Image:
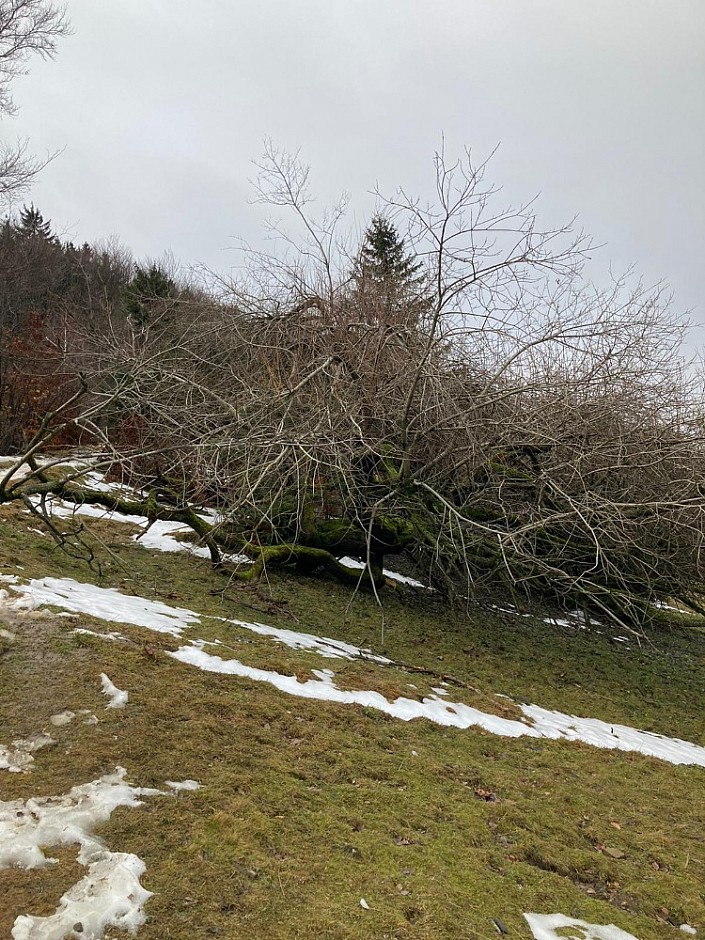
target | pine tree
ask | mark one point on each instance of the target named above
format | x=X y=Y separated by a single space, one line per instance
x=382 y=255
x=147 y=286
x=388 y=284
x=32 y=223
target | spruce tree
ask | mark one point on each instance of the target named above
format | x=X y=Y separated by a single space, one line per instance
x=32 y=223
x=383 y=255
x=389 y=287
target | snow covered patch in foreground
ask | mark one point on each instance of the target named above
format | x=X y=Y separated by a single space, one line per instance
x=110 y=894
x=118 y=698
x=18 y=758
x=541 y=723
x=544 y=723
x=546 y=927
x=323 y=645
x=105 y=603
x=392 y=575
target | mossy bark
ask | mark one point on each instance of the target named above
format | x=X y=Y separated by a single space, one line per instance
x=306 y=560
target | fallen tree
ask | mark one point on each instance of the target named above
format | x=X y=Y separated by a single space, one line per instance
x=488 y=415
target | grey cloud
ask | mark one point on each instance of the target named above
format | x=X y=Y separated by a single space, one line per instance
x=160 y=107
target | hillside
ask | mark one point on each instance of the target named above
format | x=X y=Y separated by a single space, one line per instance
x=277 y=769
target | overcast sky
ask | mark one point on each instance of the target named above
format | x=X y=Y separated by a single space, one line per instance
x=159 y=106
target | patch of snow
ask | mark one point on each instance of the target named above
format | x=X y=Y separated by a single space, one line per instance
x=510 y=609
x=661 y=605
x=18 y=758
x=546 y=927
x=96 y=481
x=110 y=894
x=555 y=725
x=392 y=575
x=403 y=578
x=9 y=578
x=104 y=603
x=560 y=622
x=183 y=785
x=114 y=637
x=325 y=646
x=160 y=537
x=157 y=536
x=439 y=691
x=63 y=718
x=22 y=470
x=686 y=928
x=118 y=698
x=324 y=688
x=91 y=719
x=544 y=723
x=364 y=905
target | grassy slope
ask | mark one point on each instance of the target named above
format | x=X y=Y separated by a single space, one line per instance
x=306 y=807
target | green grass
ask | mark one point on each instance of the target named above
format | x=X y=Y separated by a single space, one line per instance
x=306 y=806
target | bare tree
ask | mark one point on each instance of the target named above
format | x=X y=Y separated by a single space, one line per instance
x=519 y=429
x=27 y=28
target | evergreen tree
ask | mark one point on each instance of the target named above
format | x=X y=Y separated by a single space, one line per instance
x=382 y=256
x=149 y=285
x=389 y=288
x=32 y=223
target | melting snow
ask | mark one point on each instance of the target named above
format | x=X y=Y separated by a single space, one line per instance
x=114 y=637
x=97 y=482
x=110 y=894
x=545 y=723
x=325 y=646
x=157 y=536
x=109 y=604
x=18 y=758
x=392 y=575
x=23 y=469
x=118 y=698
x=105 y=603
x=63 y=718
x=546 y=927
x=183 y=784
